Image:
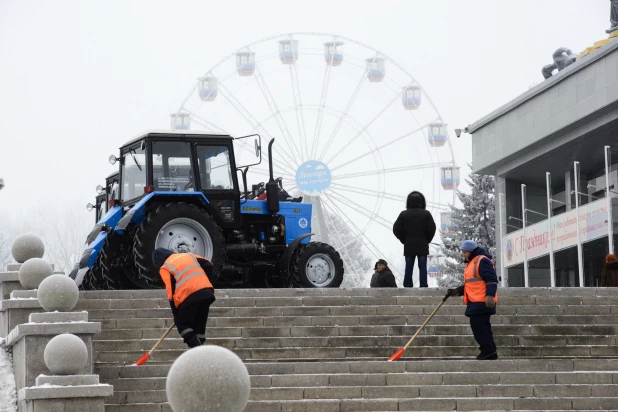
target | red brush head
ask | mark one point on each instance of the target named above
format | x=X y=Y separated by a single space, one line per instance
x=396 y=355
x=143 y=359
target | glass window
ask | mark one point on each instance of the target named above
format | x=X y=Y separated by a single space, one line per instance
x=215 y=168
x=171 y=167
x=133 y=173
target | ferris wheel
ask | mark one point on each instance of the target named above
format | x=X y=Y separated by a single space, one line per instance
x=355 y=133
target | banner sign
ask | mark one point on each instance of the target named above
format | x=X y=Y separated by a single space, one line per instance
x=592 y=225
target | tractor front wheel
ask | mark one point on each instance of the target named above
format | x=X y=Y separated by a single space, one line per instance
x=317 y=265
x=179 y=227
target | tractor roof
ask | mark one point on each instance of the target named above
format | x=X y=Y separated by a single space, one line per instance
x=176 y=133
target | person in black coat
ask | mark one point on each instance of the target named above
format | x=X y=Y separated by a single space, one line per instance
x=415 y=229
x=383 y=277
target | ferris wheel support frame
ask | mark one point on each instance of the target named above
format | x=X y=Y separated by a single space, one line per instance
x=298 y=103
x=322 y=106
x=274 y=109
x=250 y=119
x=389 y=196
x=376 y=251
x=359 y=86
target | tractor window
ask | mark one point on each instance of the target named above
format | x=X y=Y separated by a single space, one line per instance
x=215 y=170
x=133 y=173
x=171 y=167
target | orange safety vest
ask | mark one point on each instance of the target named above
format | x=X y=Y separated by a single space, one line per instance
x=475 y=288
x=188 y=275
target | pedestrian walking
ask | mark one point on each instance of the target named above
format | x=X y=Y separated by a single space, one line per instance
x=383 y=277
x=480 y=294
x=609 y=275
x=189 y=291
x=415 y=229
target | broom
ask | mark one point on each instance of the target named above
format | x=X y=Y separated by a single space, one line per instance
x=146 y=355
x=400 y=351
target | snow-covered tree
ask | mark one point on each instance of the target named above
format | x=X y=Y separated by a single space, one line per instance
x=476 y=221
x=6 y=240
x=357 y=265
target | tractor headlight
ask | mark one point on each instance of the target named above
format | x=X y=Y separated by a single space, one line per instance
x=274 y=229
x=90 y=207
x=100 y=190
x=113 y=159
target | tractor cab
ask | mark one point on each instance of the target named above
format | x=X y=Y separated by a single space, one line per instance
x=178 y=164
x=106 y=197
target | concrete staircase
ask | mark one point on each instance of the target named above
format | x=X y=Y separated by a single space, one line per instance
x=326 y=350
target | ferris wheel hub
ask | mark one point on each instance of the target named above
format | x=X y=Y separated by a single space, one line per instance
x=313 y=178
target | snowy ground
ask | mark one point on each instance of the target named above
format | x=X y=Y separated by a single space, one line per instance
x=8 y=396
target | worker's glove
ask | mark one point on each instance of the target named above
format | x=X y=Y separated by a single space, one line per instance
x=490 y=302
x=453 y=292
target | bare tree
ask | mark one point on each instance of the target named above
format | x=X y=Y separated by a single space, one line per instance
x=65 y=238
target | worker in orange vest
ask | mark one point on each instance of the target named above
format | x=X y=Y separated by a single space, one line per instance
x=480 y=294
x=186 y=278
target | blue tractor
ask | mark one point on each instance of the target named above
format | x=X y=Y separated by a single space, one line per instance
x=179 y=190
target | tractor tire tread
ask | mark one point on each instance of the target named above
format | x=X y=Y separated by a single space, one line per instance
x=302 y=254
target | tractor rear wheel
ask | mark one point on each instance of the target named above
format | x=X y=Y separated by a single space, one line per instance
x=179 y=227
x=106 y=273
x=317 y=265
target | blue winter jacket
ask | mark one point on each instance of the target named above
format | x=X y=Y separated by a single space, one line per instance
x=488 y=274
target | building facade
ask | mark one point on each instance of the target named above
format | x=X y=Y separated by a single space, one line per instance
x=551 y=152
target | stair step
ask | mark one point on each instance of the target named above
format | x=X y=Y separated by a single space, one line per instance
x=359 y=341
x=325 y=349
x=401 y=366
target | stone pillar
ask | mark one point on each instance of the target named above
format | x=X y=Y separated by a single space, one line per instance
x=9 y=280
x=28 y=342
x=17 y=309
x=64 y=393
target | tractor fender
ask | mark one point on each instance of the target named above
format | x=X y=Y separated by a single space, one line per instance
x=94 y=248
x=138 y=212
x=106 y=223
x=286 y=258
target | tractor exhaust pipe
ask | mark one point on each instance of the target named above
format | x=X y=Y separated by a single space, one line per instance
x=272 y=188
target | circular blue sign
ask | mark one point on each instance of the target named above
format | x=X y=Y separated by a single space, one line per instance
x=313 y=178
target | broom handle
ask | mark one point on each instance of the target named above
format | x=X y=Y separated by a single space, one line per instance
x=426 y=322
x=167 y=332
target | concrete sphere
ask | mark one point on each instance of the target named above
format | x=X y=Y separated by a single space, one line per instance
x=33 y=271
x=65 y=354
x=58 y=292
x=208 y=379
x=27 y=247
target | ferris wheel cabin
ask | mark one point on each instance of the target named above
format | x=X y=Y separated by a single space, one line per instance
x=449 y=177
x=437 y=134
x=376 y=69
x=411 y=97
x=288 y=51
x=333 y=53
x=434 y=271
x=181 y=121
x=208 y=88
x=245 y=63
x=446 y=222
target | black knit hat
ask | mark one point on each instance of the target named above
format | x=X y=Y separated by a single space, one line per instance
x=381 y=262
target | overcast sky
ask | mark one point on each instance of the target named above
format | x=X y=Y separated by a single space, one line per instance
x=79 y=78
